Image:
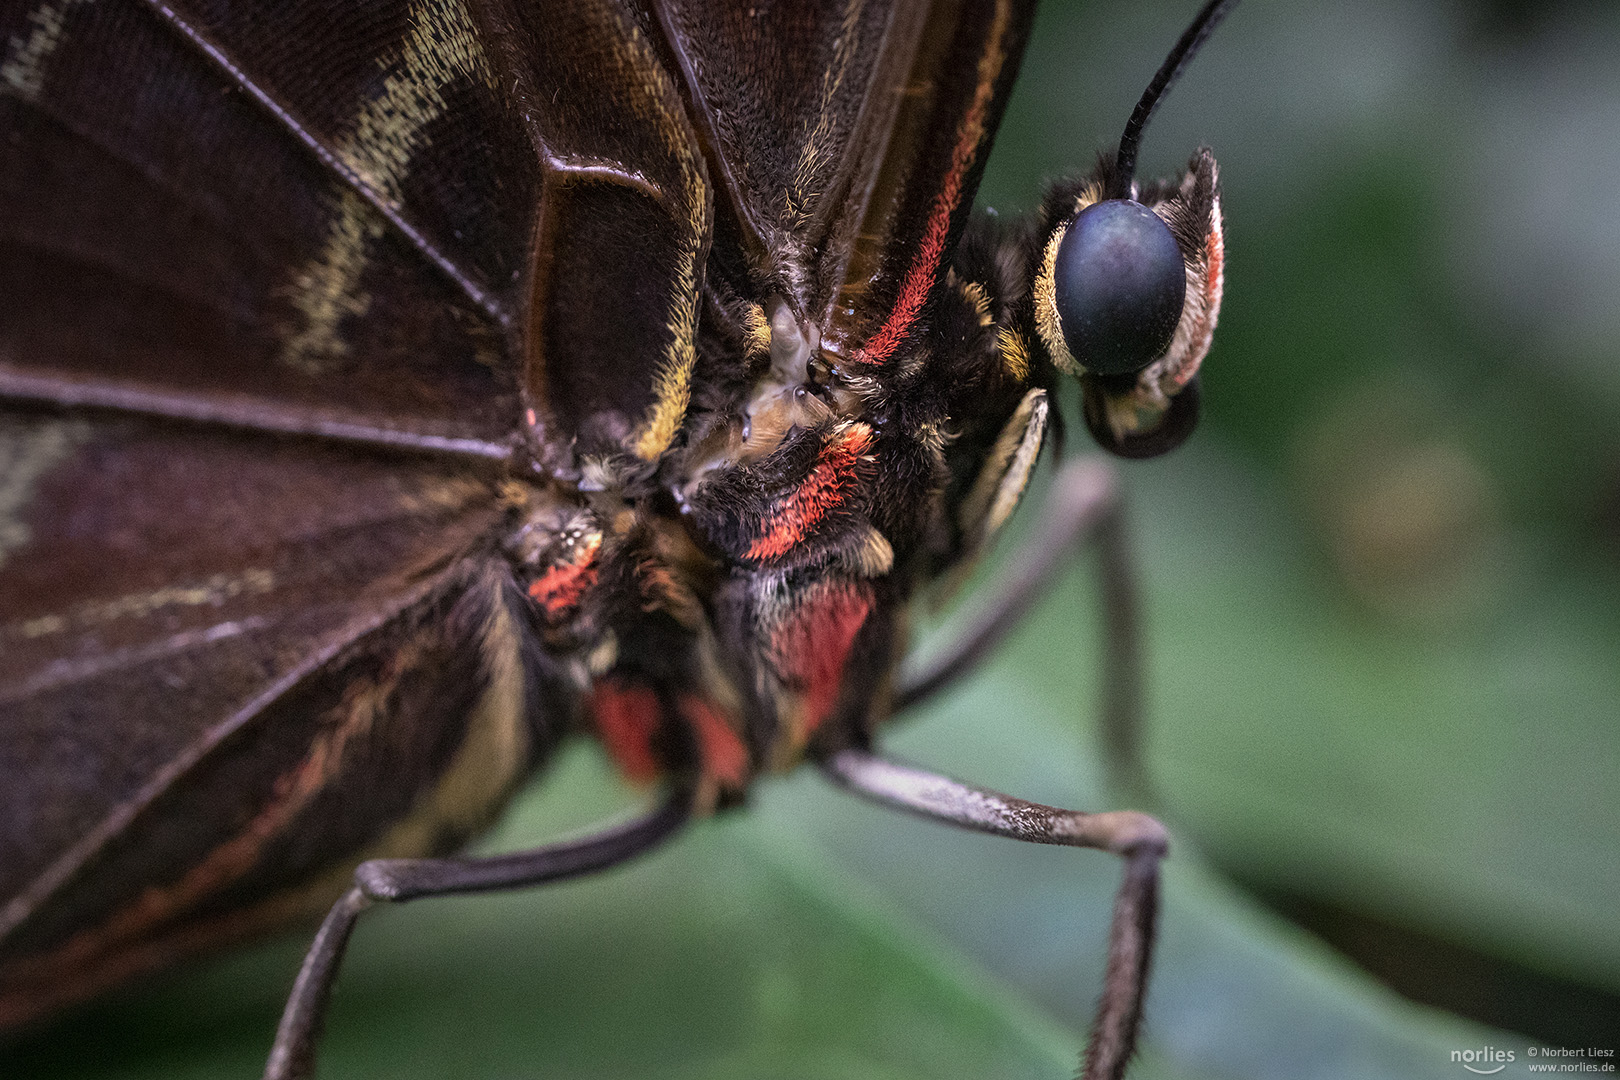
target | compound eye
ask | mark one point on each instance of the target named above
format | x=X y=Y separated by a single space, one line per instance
x=1119 y=287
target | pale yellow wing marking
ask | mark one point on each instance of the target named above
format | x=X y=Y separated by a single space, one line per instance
x=325 y=290
x=636 y=62
x=818 y=144
x=387 y=132
x=209 y=592
x=28 y=452
x=22 y=72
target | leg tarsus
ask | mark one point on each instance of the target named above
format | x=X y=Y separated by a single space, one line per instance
x=1130 y=955
x=398 y=880
x=293 y=1053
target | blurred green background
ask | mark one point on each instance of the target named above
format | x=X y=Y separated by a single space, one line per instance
x=1383 y=636
x=1384 y=580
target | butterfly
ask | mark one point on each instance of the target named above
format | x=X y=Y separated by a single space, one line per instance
x=391 y=392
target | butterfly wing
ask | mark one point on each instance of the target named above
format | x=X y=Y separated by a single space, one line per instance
x=846 y=141
x=214 y=213
x=245 y=252
x=230 y=664
x=283 y=283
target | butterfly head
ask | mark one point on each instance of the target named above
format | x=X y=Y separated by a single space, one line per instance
x=1127 y=281
x=1126 y=294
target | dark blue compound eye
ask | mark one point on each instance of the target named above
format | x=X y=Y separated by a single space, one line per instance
x=1120 y=285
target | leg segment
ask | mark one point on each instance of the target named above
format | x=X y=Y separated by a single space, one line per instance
x=292 y=1057
x=1082 y=505
x=1139 y=838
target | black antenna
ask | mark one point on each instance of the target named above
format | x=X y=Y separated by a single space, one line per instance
x=1208 y=18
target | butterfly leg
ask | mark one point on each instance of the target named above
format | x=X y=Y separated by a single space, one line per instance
x=1140 y=839
x=292 y=1057
x=1083 y=505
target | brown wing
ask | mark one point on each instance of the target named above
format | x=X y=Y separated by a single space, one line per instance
x=623 y=228
x=229 y=664
x=376 y=221
x=242 y=642
x=301 y=217
x=848 y=138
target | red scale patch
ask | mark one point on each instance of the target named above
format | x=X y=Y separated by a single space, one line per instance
x=725 y=757
x=813 y=645
x=629 y=715
x=829 y=483
x=627 y=718
x=559 y=589
x=920 y=275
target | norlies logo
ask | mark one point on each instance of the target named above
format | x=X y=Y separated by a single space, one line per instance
x=1475 y=1060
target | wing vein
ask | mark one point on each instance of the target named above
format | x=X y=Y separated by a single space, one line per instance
x=245 y=413
x=481 y=298
x=39 y=890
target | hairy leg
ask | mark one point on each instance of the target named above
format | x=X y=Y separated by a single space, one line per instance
x=1138 y=838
